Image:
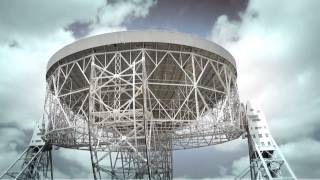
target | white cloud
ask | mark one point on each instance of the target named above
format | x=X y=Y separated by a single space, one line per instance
x=240 y=165
x=119 y=11
x=72 y=163
x=302 y=155
x=115 y=14
x=23 y=81
x=278 y=68
x=12 y=140
x=225 y=30
x=36 y=18
x=276 y=59
x=232 y=146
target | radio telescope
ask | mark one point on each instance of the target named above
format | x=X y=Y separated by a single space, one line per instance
x=131 y=98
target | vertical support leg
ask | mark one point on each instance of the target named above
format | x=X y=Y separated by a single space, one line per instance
x=34 y=163
x=266 y=159
x=124 y=142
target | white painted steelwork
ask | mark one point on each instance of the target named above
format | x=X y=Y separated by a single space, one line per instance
x=144 y=92
x=131 y=98
x=266 y=160
x=35 y=162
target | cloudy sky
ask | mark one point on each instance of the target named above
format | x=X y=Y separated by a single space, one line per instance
x=276 y=45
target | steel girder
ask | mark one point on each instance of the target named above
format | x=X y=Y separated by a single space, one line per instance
x=266 y=160
x=197 y=108
x=140 y=104
x=35 y=162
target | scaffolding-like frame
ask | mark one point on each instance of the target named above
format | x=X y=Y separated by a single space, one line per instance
x=131 y=98
x=136 y=102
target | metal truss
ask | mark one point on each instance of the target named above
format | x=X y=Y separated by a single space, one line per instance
x=131 y=104
x=132 y=107
x=34 y=163
x=134 y=163
x=266 y=159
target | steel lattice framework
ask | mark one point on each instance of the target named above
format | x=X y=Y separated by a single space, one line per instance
x=35 y=162
x=136 y=101
x=265 y=157
x=131 y=98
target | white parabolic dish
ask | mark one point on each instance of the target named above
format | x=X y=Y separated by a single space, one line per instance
x=179 y=87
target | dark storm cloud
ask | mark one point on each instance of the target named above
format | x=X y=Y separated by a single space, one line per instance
x=79 y=29
x=190 y=16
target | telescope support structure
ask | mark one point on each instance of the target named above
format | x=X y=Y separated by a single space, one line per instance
x=132 y=97
x=266 y=159
x=141 y=151
x=35 y=162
